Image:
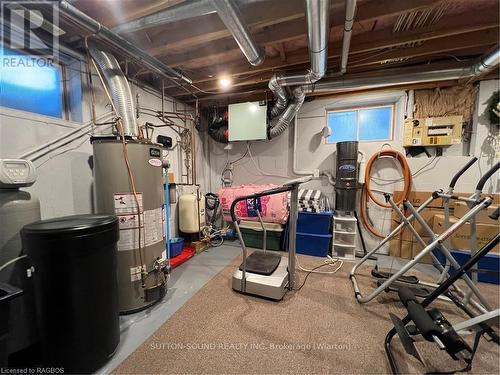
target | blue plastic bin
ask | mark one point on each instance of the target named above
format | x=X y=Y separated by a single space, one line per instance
x=313 y=244
x=314 y=222
x=176 y=246
x=489 y=265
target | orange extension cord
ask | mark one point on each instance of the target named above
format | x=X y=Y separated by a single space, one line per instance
x=367 y=194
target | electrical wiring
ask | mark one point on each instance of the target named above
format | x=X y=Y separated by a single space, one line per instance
x=257 y=167
x=420 y=170
x=331 y=261
x=312 y=271
x=61 y=153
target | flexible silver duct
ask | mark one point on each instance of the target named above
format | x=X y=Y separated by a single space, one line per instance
x=281 y=123
x=280 y=95
x=318 y=30
x=350 y=10
x=118 y=87
x=231 y=17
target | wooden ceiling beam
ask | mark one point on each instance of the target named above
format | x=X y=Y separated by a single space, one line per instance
x=189 y=36
x=390 y=69
x=436 y=47
x=448 y=39
x=225 y=49
x=258 y=95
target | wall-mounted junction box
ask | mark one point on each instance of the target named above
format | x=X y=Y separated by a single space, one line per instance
x=433 y=131
x=247 y=121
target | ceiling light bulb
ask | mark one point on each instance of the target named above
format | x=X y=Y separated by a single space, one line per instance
x=225 y=83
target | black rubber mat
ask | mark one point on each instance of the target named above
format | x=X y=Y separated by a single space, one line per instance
x=421 y=291
x=385 y=275
x=262 y=263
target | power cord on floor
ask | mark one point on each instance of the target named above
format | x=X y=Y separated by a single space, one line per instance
x=328 y=262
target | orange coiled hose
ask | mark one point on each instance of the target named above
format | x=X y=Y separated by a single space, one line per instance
x=367 y=194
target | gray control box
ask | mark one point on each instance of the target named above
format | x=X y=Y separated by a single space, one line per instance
x=16 y=173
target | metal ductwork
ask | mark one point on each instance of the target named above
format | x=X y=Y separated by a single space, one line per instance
x=407 y=77
x=280 y=123
x=280 y=95
x=112 y=39
x=118 y=87
x=318 y=30
x=179 y=12
x=231 y=17
x=487 y=63
x=350 y=11
x=187 y=9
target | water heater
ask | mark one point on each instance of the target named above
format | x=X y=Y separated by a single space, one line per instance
x=139 y=285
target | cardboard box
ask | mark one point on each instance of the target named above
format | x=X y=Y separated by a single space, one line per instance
x=171 y=177
x=417 y=198
x=417 y=248
x=495 y=199
x=461 y=209
x=460 y=239
x=199 y=246
x=428 y=216
x=399 y=248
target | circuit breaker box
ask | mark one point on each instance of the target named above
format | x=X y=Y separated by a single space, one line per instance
x=433 y=131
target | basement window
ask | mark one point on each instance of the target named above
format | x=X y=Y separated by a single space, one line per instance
x=367 y=124
x=30 y=84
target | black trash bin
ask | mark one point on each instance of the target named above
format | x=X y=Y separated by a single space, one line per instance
x=7 y=294
x=76 y=289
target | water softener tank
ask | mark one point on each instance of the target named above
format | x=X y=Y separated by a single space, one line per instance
x=138 y=289
x=191 y=213
x=346 y=181
x=76 y=289
x=17 y=208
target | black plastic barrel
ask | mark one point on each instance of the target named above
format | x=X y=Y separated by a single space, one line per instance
x=346 y=181
x=76 y=289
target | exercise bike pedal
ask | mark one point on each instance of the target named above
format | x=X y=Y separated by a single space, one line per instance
x=385 y=275
x=404 y=336
x=420 y=292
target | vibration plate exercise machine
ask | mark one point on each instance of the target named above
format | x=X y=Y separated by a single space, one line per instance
x=267 y=274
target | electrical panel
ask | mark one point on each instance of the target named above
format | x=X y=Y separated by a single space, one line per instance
x=16 y=173
x=433 y=131
x=247 y=121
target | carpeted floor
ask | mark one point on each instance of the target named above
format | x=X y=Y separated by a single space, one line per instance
x=320 y=329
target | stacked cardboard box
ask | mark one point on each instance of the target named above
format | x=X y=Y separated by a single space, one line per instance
x=405 y=245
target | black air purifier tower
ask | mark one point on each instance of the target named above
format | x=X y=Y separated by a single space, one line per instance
x=346 y=176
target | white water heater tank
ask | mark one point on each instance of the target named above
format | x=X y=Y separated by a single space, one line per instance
x=191 y=213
